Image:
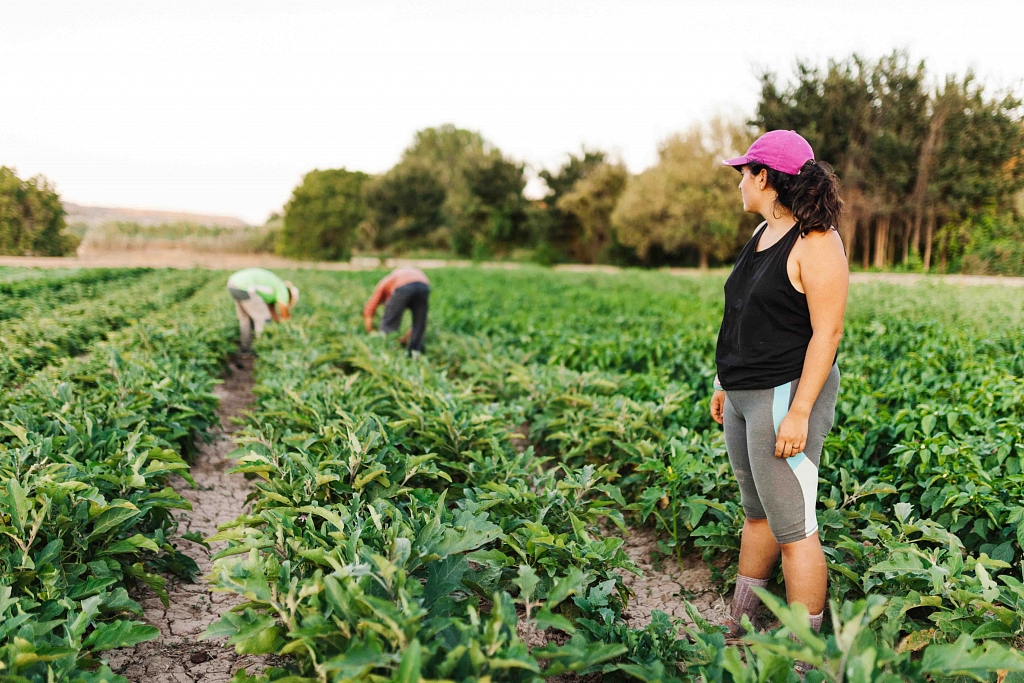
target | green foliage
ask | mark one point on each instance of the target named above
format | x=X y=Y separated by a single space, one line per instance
x=86 y=451
x=400 y=525
x=38 y=293
x=910 y=157
x=34 y=342
x=451 y=190
x=407 y=206
x=591 y=201
x=31 y=218
x=323 y=214
x=686 y=201
x=433 y=519
x=993 y=244
x=557 y=233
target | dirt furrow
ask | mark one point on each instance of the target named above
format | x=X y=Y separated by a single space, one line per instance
x=665 y=585
x=178 y=656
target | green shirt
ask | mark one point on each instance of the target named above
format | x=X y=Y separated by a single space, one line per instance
x=270 y=287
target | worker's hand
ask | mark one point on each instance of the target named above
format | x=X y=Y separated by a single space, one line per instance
x=368 y=323
x=718 y=406
x=405 y=338
x=792 y=436
x=273 y=314
x=285 y=312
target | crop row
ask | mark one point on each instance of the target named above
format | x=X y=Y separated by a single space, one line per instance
x=398 y=531
x=55 y=281
x=40 y=302
x=921 y=477
x=33 y=343
x=86 y=451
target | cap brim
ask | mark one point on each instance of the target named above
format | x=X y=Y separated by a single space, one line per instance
x=738 y=161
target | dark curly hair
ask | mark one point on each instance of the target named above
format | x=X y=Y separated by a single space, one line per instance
x=813 y=196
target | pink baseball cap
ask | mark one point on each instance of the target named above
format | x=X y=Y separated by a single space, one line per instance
x=784 y=150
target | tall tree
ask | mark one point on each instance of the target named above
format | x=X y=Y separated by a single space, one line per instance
x=687 y=200
x=31 y=217
x=978 y=160
x=407 y=206
x=484 y=209
x=321 y=218
x=591 y=202
x=910 y=159
x=834 y=109
x=494 y=214
x=561 y=231
x=901 y=115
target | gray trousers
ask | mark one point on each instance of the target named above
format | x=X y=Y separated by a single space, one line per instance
x=416 y=297
x=782 y=490
x=253 y=315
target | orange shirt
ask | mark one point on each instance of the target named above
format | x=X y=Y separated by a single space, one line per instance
x=399 y=277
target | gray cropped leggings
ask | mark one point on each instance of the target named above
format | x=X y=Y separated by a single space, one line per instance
x=783 y=490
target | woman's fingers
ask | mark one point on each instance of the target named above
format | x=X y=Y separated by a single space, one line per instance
x=787 y=448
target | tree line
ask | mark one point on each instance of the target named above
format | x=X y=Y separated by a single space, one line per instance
x=31 y=218
x=932 y=173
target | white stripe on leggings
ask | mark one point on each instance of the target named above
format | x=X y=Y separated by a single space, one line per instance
x=805 y=471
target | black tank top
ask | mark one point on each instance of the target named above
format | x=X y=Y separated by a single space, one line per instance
x=767 y=325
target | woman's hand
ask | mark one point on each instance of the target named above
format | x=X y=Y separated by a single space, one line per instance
x=792 y=437
x=718 y=406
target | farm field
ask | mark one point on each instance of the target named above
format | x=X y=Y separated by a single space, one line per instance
x=465 y=516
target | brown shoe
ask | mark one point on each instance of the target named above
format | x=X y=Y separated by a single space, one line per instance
x=734 y=632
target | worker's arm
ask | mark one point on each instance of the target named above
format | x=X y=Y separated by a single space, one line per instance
x=279 y=312
x=372 y=303
x=824 y=277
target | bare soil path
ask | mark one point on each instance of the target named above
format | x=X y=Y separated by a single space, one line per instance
x=178 y=656
x=665 y=585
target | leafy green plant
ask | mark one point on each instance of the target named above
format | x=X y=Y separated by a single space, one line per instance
x=86 y=449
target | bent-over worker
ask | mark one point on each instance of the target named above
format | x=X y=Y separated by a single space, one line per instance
x=260 y=296
x=404 y=288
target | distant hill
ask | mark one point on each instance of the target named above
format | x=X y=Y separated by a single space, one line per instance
x=93 y=216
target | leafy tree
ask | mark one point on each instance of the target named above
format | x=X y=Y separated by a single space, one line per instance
x=493 y=215
x=557 y=232
x=31 y=217
x=482 y=210
x=407 y=205
x=901 y=128
x=591 y=202
x=833 y=108
x=687 y=200
x=911 y=159
x=979 y=162
x=321 y=218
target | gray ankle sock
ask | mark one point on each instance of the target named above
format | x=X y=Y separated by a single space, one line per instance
x=815 y=625
x=816 y=621
x=744 y=599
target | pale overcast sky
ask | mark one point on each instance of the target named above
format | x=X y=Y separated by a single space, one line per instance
x=221 y=107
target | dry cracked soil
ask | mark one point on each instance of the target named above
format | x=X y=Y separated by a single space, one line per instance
x=178 y=656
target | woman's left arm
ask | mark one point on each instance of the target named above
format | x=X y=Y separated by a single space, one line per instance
x=825 y=279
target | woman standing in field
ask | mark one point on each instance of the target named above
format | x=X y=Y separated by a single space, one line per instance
x=777 y=380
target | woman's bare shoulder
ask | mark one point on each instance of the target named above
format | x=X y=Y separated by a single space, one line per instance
x=818 y=243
